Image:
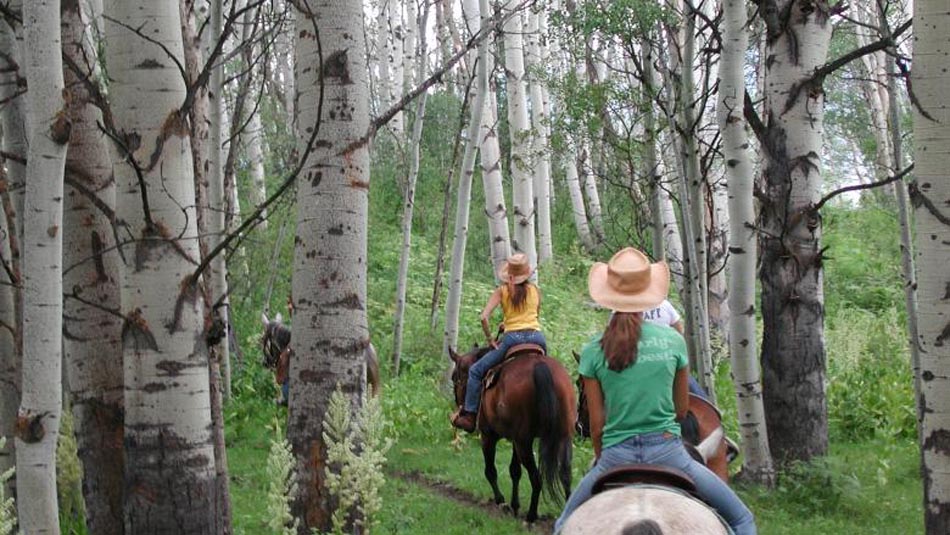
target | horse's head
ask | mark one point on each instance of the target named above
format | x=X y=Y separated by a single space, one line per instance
x=583 y=415
x=462 y=364
x=275 y=339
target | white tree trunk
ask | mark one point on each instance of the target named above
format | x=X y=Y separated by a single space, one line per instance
x=931 y=196
x=385 y=58
x=14 y=140
x=577 y=198
x=519 y=129
x=588 y=177
x=907 y=239
x=743 y=346
x=492 y=182
x=717 y=231
x=394 y=14
x=41 y=401
x=410 y=62
x=540 y=158
x=14 y=116
x=875 y=89
x=92 y=333
x=474 y=11
x=285 y=64
x=329 y=279
x=217 y=199
x=410 y=196
x=255 y=153
x=166 y=358
x=793 y=349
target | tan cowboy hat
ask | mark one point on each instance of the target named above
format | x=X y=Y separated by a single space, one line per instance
x=629 y=282
x=517 y=268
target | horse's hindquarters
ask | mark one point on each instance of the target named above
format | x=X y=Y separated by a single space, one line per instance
x=643 y=509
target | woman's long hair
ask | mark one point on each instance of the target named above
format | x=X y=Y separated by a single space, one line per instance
x=518 y=294
x=620 y=340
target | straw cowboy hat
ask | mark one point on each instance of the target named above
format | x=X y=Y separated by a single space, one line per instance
x=629 y=282
x=516 y=269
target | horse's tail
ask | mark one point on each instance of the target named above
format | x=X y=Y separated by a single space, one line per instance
x=555 y=449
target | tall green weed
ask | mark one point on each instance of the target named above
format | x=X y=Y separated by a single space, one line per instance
x=870 y=383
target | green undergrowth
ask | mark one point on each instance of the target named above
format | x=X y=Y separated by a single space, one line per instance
x=869 y=482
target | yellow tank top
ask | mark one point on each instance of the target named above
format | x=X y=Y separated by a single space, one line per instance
x=525 y=318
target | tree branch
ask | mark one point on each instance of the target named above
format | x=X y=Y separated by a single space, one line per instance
x=858 y=187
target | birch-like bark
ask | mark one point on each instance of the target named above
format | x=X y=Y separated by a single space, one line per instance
x=198 y=118
x=165 y=353
x=41 y=400
x=907 y=225
x=385 y=58
x=476 y=14
x=519 y=129
x=540 y=157
x=410 y=195
x=746 y=375
x=689 y=185
x=577 y=197
x=397 y=68
x=931 y=201
x=217 y=200
x=9 y=369
x=329 y=279
x=492 y=181
x=254 y=135
x=793 y=349
x=874 y=88
x=92 y=333
x=12 y=119
x=285 y=62
x=411 y=24
x=587 y=173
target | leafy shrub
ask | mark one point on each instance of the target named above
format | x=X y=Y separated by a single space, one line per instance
x=817 y=487
x=870 y=383
x=72 y=510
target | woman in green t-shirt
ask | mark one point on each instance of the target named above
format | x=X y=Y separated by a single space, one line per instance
x=635 y=376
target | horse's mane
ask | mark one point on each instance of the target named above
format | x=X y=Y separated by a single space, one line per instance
x=278 y=333
x=480 y=351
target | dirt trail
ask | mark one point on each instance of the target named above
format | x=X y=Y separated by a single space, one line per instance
x=446 y=490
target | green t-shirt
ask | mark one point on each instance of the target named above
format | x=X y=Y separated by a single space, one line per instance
x=638 y=399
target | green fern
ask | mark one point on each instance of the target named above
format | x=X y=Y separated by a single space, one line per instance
x=7 y=511
x=281 y=488
x=356 y=452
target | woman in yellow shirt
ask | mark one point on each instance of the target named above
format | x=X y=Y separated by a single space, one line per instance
x=520 y=302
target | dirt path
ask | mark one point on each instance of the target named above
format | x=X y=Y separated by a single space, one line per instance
x=446 y=490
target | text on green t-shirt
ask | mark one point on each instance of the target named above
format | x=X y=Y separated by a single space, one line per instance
x=639 y=398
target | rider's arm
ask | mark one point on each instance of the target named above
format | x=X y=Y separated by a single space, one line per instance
x=681 y=392
x=595 y=407
x=678 y=325
x=490 y=307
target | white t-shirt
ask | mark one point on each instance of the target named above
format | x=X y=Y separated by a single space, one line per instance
x=664 y=314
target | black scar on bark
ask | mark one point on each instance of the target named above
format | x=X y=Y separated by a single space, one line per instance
x=337 y=66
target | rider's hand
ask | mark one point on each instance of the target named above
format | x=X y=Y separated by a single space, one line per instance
x=493 y=344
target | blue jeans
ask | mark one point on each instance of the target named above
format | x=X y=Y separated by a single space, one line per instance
x=473 y=392
x=666 y=450
x=694 y=388
x=285 y=390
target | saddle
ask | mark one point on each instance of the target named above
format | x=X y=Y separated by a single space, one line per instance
x=491 y=377
x=644 y=474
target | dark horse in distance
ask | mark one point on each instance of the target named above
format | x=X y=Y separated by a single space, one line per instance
x=275 y=343
x=529 y=395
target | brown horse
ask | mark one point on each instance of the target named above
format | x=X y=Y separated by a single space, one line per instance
x=275 y=344
x=705 y=441
x=530 y=397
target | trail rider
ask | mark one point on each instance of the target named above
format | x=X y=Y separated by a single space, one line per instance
x=520 y=302
x=635 y=375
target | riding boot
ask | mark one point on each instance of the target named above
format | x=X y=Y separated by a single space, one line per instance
x=464 y=420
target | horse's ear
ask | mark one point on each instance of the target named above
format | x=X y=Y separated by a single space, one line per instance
x=279 y=318
x=577 y=357
x=453 y=355
x=264 y=318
